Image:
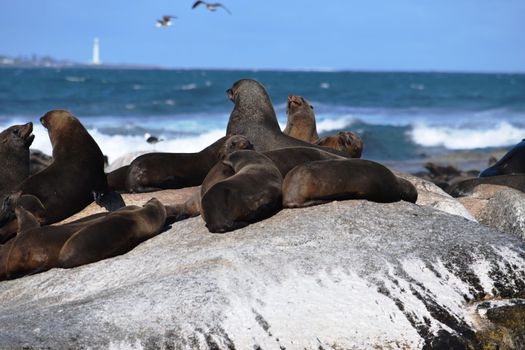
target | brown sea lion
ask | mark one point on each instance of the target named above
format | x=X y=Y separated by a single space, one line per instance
x=466 y=187
x=155 y=171
x=254 y=117
x=14 y=156
x=344 y=141
x=252 y=193
x=285 y=159
x=115 y=234
x=300 y=123
x=90 y=239
x=76 y=175
x=327 y=180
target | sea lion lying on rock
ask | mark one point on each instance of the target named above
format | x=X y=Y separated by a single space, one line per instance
x=327 y=180
x=285 y=159
x=14 y=156
x=301 y=124
x=243 y=188
x=513 y=162
x=466 y=187
x=254 y=117
x=90 y=239
x=75 y=177
x=155 y=171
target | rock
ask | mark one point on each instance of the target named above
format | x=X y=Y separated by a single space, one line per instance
x=432 y=196
x=498 y=206
x=124 y=160
x=345 y=275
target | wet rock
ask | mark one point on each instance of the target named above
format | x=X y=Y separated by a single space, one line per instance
x=344 y=275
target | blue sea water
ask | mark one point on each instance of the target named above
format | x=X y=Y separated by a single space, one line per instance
x=400 y=116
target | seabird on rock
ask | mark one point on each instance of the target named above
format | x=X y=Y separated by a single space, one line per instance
x=210 y=6
x=165 y=21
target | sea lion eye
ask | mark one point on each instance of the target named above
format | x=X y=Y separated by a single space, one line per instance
x=312 y=107
x=15 y=131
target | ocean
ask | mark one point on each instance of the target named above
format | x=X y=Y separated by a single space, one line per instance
x=402 y=117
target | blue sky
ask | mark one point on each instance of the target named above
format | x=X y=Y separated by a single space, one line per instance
x=445 y=35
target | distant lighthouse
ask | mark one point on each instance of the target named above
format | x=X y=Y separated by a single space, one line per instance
x=96 y=52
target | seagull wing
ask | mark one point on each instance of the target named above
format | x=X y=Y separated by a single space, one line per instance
x=197 y=3
x=224 y=7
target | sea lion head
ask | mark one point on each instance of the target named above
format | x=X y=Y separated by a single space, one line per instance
x=58 y=122
x=351 y=142
x=17 y=136
x=253 y=106
x=298 y=103
x=234 y=143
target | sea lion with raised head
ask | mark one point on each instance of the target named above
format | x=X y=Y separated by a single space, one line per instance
x=301 y=124
x=513 y=162
x=76 y=175
x=156 y=171
x=14 y=156
x=252 y=193
x=90 y=239
x=254 y=117
x=328 y=180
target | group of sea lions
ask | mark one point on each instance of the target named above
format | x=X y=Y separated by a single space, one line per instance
x=246 y=176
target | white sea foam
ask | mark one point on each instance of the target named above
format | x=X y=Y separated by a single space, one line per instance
x=501 y=134
x=329 y=124
x=191 y=86
x=73 y=79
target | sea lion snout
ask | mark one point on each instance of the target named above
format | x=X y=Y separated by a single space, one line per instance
x=230 y=95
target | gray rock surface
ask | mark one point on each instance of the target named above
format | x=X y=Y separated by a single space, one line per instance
x=345 y=275
x=498 y=206
x=432 y=196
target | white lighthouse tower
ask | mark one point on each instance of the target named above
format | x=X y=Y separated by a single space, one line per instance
x=96 y=52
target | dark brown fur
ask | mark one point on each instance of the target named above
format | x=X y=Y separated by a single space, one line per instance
x=344 y=141
x=466 y=187
x=84 y=241
x=155 y=171
x=69 y=184
x=252 y=193
x=14 y=156
x=327 y=180
x=254 y=117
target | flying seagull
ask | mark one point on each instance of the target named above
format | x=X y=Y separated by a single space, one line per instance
x=210 y=6
x=165 y=21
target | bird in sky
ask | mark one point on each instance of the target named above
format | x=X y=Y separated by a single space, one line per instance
x=210 y=6
x=165 y=21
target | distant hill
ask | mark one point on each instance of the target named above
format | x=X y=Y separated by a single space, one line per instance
x=48 y=61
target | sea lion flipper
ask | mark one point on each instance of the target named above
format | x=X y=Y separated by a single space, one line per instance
x=26 y=220
x=111 y=200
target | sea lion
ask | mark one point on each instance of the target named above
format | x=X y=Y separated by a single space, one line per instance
x=252 y=193
x=254 y=117
x=14 y=156
x=300 y=123
x=76 y=175
x=513 y=162
x=84 y=241
x=285 y=159
x=344 y=141
x=327 y=180
x=156 y=171
x=115 y=234
x=466 y=187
